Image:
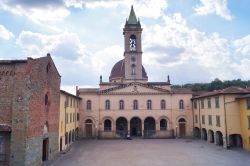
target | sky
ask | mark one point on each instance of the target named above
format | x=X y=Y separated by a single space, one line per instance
x=193 y=41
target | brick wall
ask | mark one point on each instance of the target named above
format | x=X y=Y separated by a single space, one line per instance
x=22 y=106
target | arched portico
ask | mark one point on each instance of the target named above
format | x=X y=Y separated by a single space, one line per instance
x=235 y=140
x=197 y=133
x=211 y=136
x=204 y=134
x=218 y=138
x=149 y=126
x=135 y=127
x=121 y=126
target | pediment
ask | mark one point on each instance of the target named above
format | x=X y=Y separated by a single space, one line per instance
x=134 y=88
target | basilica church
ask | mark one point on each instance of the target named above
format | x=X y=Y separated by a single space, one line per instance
x=129 y=105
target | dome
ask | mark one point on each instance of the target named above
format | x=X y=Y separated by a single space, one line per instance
x=118 y=71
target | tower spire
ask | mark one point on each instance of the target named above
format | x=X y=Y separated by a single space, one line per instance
x=132 y=17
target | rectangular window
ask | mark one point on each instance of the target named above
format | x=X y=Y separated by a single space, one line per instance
x=196 y=118
x=73 y=117
x=210 y=119
x=248 y=104
x=203 y=119
x=217 y=102
x=202 y=104
x=217 y=121
x=209 y=103
x=248 y=122
x=70 y=117
x=67 y=101
x=67 y=121
x=195 y=104
x=78 y=117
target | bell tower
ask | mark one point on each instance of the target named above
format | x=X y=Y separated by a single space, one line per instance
x=133 y=51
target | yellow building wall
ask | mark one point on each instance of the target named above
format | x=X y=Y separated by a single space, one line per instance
x=244 y=113
x=228 y=111
x=98 y=113
x=72 y=108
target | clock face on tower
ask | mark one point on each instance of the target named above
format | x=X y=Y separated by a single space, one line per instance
x=132 y=42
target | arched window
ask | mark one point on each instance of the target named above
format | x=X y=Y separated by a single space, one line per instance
x=46 y=99
x=107 y=105
x=121 y=105
x=163 y=104
x=89 y=105
x=107 y=125
x=149 y=104
x=133 y=69
x=163 y=124
x=135 y=105
x=181 y=104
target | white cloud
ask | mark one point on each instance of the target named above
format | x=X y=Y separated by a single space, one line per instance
x=243 y=45
x=191 y=55
x=76 y=64
x=35 y=12
x=5 y=33
x=218 y=7
x=143 y=8
x=66 y=45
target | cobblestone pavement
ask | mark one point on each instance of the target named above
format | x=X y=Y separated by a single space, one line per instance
x=151 y=152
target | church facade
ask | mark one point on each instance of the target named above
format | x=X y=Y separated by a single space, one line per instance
x=130 y=105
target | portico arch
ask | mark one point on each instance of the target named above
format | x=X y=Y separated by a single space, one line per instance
x=218 y=138
x=135 y=127
x=121 y=126
x=203 y=134
x=197 y=132
x=149 y=126
x=211 y=136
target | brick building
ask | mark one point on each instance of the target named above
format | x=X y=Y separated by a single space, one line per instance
x=29 y=111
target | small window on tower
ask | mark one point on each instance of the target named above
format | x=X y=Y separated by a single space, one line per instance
x=132 y=41
x=133 y=69
x=46 y=99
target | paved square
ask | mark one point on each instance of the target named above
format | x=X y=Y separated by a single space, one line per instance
x=151 y=152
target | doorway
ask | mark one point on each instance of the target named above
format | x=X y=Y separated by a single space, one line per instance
x=88 y=128
x=60 y=144
x=45 y=149
x=182 y=127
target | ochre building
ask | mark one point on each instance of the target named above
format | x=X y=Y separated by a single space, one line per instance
x=29 y=111
x=220 y=118
x=69 y=119
x=129 y=105
x=244 y=102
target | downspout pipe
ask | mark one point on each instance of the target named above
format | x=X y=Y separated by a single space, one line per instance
x=225 y=120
